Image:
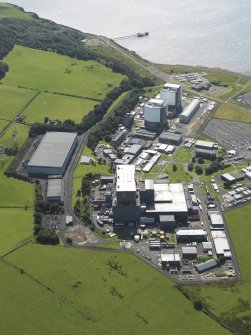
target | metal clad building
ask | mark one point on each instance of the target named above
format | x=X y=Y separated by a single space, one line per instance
x=189 y=111
x=53 y=153
x=55 y=190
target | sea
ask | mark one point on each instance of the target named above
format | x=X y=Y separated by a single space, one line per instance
x=212 y=33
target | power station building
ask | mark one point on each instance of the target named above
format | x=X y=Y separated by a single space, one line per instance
x=172 y=94
x=53 y=154
x=155 y=113
x=189 y=111
x=159 y=203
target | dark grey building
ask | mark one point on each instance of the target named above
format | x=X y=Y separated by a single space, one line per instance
x=168 y=137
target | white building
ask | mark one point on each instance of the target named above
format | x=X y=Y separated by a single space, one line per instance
x=172 y=94
x=155 y=113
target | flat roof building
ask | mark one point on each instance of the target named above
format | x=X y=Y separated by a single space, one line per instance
x=53 y=154
x=217 y=221
x=204 y=144
x=55 y=191
x=168 y=137
x=191 y=235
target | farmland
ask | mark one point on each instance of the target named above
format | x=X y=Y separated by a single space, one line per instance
x=50 y=72
x=233 y=113
x=231 y=303
x=15 y=226
x=14 y=193
x=13 y=101
x=57 y=107
x=103 y=286
x=15 y=135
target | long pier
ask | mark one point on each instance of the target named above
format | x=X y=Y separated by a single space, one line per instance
x=130 y=36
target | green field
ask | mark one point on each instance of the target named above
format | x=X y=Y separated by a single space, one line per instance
x=183 y=154
x=3 y=124
x=58 y=107
x=178 y=176
x=231 y=303
x=13 y=100
x=16 y=135
x=89 y=282
x=13 y=192
x=15 y=227
x=233 y=113
x=48 y=71
x=7 y=10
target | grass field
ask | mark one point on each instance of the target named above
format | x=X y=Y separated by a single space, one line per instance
x=59 y=107
x=178 y=176
x=15 y=227
x=231 y=303
x=183 y=154
x=3 y=124
x=16 y=135
x=13 y=100
x=234 y=113
x=7 y=10
x=13 y=192
x=104 y=294
x=48 y=71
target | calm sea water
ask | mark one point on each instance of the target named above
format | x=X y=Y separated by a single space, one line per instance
x=215 y=33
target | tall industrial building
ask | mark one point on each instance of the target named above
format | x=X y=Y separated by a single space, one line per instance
x=172 y=94
x=126 y=204
x=155 y=113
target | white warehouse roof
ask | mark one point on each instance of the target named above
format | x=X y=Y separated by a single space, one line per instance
x=204 y=144
x=216 y=220
x=53 y=149
x=170 y=257
x=222 y=247
x=191 y=232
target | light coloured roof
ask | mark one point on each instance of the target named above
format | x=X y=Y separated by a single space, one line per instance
x=218 y=233
x=170 y=257
x=54 y=188
x=205 y=144
x=53 y=149
x=207 y=245
x=125 y=178
x=221 y=246
x=228 y=176
x=169 y=85
x=216 y=219
x=190 y=108
x=191 y=232
x=189 y=250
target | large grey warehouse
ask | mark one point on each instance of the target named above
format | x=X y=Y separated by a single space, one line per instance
x=189 y=111
x=53 y=154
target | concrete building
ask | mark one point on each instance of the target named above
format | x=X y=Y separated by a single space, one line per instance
x=205 y=153
x=217 y=221
x=222 y=247
x=206 y=266
x=119 y=137
x=172 y=94
x=189 y=252
x=191 y=235
x=204 y=145
x=170 y=259
x=55 y=190
x=228 y=178
x=167 y=222
x=155 y=114
x=189 y=111
x=168 y=137
x=53 y=154
x=134 y=150
x=126 y=205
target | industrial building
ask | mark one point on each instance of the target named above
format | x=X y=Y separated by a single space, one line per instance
x=172 y=94
x=126 y=206
x=204 y=145
x=155 y=114
x=189 y=111
x=206 y=266
x=167 y=222
x=55 y=190
x=228 y=178
x=168 y=137
x=191 y=235
x=85 y=160
x=53 y=154
x=170 y=259
x=206 y=153
x=217 y=221
x=119 y=137
x=189 y=252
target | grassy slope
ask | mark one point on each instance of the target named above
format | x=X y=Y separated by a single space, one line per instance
x=15 y=226
x=3 y=124
x=22 y=132
x=107 y=297
x=58 y=107
x=13 y=100
x=232 y=302
x=183 y=154
x=47 y=71
x=14 y=192
x=178 y=176
x=9 y=11
x=232 y=112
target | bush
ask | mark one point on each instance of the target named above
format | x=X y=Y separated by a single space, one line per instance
x=198 y=305
x=198 y=170
x=47 y=237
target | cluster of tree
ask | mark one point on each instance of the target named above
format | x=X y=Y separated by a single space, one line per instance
x=3 y=69
x=11 y=151
x=109 y=125
x=215 y=167
x=86 y=186
x=44 y=236
x=218 y=83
